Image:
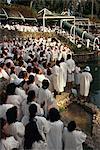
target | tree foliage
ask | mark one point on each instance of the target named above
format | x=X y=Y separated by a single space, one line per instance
x=79 y=6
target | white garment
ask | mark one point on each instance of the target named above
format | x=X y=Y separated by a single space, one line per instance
x=33 y=87
x=3 y=110
x=9 y=143
x=21 y=92
x=39 y=78
x=17 y=130
x=3 y=74
x=51 y=87
x=54 y=136
x=73 y=140
x=45 y=96
x=85 y=80
x=77 y=75
x=70 y=68
x=61 y=80
x=63 y=66
x=15 y=100
x=39 y=146
x=55 y=72
x=25 y=108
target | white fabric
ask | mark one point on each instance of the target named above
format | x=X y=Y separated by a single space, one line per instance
x=73 y=140
x=85 y=80
x=17 y=130
x=16 y=100
x=63 y=66
x=3 y=74
x=9 y=143
x=3 y=110
x=46 y=96
x=39 y=78
x=21 y=92
x=54 y=136
x=77 y=75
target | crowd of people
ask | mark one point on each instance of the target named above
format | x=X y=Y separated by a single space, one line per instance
x=38 y=69
x=29 y=28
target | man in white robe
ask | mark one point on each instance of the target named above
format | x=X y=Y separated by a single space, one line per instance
x=70 y=71
x=85 y=80
x=73 y=138
x=63 y=66
x=55 y=72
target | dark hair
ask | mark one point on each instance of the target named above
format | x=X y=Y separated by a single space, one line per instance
x=62 y=59
x=32 y=111
x=31 y=135
x=31 y=96
x=71 y=126
x=11 y=115
x=8 y=65
x=68 y=56
x=29 y=69
x=10 y=89
x=54 y=115
x=31 y=79
x=45 y=84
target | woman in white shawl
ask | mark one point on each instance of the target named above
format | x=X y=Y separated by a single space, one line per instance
x=54 y=135
x=7 y=142
x=36 y=128
x=73 y=138
x=16 y=128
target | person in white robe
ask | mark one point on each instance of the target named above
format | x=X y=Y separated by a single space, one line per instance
x=85 y=80
x=50 y=77
x=39 y=77
x=19 y=90
x=41 y=122
x=3 y=109
x=63 y=66
x=16 y=128
x=55 y=72
x=77 y=74
x=73 y=138
x=31 y=100
x=3 y=74
x=54 y=135
x=32 y=85
x=6 y=142
x=33 y=138
x=70 y=71
x=45 y=97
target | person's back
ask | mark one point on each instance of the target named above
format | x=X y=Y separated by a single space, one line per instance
x=73 y=138
x=69 y=140
x=85 y=80
x=54 y=135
